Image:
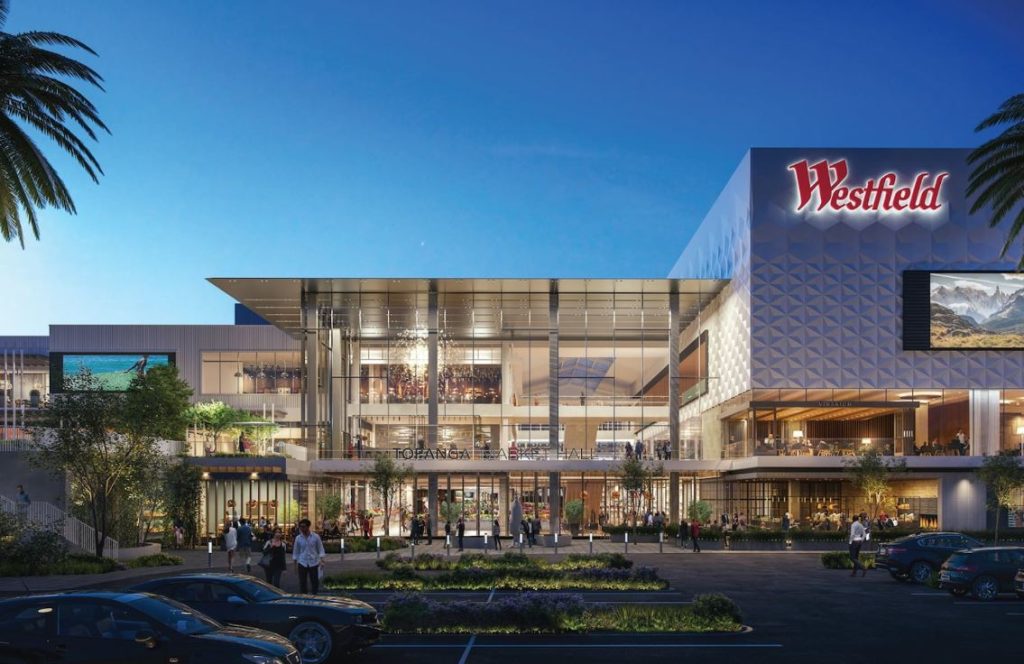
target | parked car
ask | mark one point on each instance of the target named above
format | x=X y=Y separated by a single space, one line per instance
x=983 y=572
x=915 y=557
x=127 y=628
x=1018 y=583
x=318 y=626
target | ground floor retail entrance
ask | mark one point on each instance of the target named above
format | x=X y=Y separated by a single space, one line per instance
x=593 y=500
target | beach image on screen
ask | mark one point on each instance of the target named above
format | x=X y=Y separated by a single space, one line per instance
x=112 y=372
x=977 y=310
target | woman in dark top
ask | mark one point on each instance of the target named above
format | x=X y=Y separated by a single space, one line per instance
x=277 y=549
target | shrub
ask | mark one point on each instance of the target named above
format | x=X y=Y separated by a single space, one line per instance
x=714 y=607
x=613 y=560
x=841 y=560
x=364 y=545
x=155 y=560
x=39 y=548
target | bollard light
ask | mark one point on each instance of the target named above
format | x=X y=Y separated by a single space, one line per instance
x=556 y=542
x=591 y=543
x=209 y=553
x=378 y=548
x=627 y=543
x=343 y=548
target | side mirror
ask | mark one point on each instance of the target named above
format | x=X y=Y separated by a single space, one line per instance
x=236 y=600
x=146 y=638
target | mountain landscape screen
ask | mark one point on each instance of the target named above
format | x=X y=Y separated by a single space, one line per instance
x=977 y=310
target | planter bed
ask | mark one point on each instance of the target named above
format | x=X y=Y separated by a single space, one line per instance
x=556 y=613
x=510 y=560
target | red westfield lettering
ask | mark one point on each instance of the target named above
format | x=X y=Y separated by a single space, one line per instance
x=825 y=183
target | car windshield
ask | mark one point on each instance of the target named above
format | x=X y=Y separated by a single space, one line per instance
x=169 y=613
x=260 y=590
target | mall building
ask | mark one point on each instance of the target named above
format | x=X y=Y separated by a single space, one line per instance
x=831 y=302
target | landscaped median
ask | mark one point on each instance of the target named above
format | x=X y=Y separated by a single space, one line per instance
x=512 y=571
x=556 y=613
x=841 y=560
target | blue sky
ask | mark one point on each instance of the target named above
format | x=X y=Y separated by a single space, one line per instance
x=461 y=139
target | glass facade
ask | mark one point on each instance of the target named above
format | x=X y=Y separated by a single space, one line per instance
x=253 y=372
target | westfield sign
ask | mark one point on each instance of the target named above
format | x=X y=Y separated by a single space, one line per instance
x=823 y=187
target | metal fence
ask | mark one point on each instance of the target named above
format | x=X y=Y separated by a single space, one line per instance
x=45 y=516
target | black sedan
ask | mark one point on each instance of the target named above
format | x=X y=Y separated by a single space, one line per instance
x=915 y=557
x=982 y=572
x=127 y=628
x=318 y=626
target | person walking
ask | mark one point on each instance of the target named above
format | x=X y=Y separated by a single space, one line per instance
x=414 y=530
x=629 y=450
x=534 y=529
x=857 y=535
x=275 y=549
x=684 y=532
x=786 y=521
x=448 y=532
x=496 y=533
x=460 y=531
x=695 y=535
x=430 y=531
x=525 y=525
x=308 y=554
x=23 y=502
x=230 y=544
x=245 y=544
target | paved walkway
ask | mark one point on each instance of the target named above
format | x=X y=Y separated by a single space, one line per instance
x=198 y=560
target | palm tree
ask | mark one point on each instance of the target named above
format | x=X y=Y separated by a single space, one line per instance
x=998 y=175
x=34 y=92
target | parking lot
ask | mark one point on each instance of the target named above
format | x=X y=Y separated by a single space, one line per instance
x=799 y=612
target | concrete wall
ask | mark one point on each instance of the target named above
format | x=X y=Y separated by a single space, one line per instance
x=961 y=502
x=40 y=485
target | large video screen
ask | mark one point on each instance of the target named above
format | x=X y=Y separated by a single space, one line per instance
x=976 y=310
x=113 y=372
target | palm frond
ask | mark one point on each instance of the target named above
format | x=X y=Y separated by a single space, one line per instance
x=36 y=90
x=997 y=179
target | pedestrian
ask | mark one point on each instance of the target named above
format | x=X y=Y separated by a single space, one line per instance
x=308 y=554
x=496 y=533
x=684 y=532
x=430 y=531
x=534 y=529
x=245 y=544
x=695 y=535
x=857 y=535
x=785 y=523
x=414 y=531
x=274 y=556
x=23 y=502
x=638 y=449
x=179 y=537
x=230 y=543
x=629 y=450
x=460 y=530
x=448 y=532
x=526 y=527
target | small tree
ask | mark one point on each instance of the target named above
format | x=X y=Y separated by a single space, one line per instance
x=386 y=478
x=1002 y=475
x=871 y=473
x=182 y=498
x=157 y=404
x=574 y=513
x=450 y=512
x=637 y=478
x=80 y=436
x=330 y=506
x=699 y=511
x=216 y=417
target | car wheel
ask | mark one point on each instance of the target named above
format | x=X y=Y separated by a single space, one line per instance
x=985 y=588
x=313 y=641
x=920 y=572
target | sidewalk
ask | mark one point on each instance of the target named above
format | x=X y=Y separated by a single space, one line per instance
x=198 y=561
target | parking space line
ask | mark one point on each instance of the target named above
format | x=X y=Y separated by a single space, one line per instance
x=930 y=594
x=469 y=646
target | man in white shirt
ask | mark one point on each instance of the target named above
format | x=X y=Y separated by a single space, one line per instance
x=858 y=533
x=308 y=554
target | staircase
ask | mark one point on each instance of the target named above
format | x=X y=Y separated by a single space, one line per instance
x=45 y=516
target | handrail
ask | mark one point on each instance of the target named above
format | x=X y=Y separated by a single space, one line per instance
x=50 y=517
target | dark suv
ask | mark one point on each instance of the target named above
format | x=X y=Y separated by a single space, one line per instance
x=915 y=557
x=983 y=572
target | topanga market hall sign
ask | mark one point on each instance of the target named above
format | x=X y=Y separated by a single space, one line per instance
x=822 y=187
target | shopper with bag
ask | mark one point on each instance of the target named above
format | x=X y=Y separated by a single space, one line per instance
x=858 y=533
x=308 y=554
x=245 y=544
x=273 y=559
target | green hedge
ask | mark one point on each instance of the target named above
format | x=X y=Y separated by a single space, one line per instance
x=841 y=560
x=510 y=560
x=71 y=564
x=154 y=560
x=364 y=545
x=404 y=577
x=556 y=613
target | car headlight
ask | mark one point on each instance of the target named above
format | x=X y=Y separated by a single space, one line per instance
x=258 y=658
